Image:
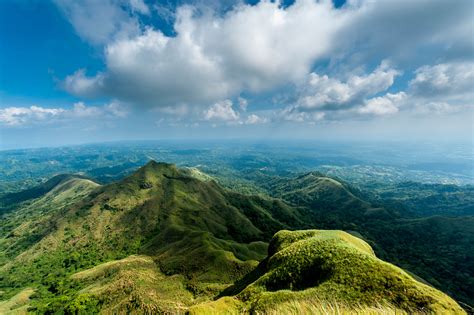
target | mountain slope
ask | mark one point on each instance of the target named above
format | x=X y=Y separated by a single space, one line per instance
x=161 y=231
x=37 y=191
x=312 y=270
x=196 y=229
x=434 y=248
x=34 y=219
x=330 y=201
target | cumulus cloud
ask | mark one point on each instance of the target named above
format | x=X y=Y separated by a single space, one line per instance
x=24 y=116
x=212 y=57
x=446 y=79
x=253 y=119
x=15 y=116
x=139 y=6
x=435 y=89
x=221 y=111
x=383 y=105
x=79 y=84
x=217 y=54
x=322 y=92
x=100 y=22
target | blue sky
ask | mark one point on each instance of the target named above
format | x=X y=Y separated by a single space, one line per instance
x=88 y=71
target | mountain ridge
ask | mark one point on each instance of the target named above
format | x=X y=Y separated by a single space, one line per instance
x=194 y=235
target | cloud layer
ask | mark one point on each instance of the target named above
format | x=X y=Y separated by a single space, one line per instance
x=315 y=54
x=26 y=116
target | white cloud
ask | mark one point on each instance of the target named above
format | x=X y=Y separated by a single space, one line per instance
x=24 y=116
x=383 y=105
x=222 y=111
x=213 y=57
x=15 y=116
x=79 y=84
x=99 y=22
x=116 y=109
x=446 y=79
x=255 y=119
x=139 y=6
x=267 y=46
x=324 y=93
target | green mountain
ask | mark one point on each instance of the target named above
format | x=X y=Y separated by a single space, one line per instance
x=165 y=239
x=35 y=192
x=189 y=227
x=438 y=249
x=320 y=272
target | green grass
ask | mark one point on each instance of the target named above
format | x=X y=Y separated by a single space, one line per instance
x=339 y=270
x=189 y=227
x=162 y=232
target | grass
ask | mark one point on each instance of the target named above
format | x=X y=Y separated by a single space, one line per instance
x=189 y=227
x=17 y=304
x=337 y=269
x=163 y=241
x=134 y=283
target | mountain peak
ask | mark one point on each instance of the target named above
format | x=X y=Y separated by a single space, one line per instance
x=154 y=164
x=154 y=169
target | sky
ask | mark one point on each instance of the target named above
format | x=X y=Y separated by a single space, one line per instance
x=80 y=71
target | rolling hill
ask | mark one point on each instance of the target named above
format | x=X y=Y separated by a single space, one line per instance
x=320 y=272
x=190 y=227
x=435 y=248
x=166 y=239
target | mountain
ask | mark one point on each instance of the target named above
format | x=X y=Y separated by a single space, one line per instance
x=190 y=227
x=418 y=200
x=34 y=219
x=435 y=248
x=37 y=191
x=166 y=239
x=330 y=201
x=320 y=272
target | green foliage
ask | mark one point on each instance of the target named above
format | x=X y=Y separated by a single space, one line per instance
x=199 y=238
x=435 y=248
x=191 y=227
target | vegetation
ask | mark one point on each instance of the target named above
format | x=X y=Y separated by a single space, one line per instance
x=85 y=247
x=434 y=248
x=187 y=226
x=320 y=270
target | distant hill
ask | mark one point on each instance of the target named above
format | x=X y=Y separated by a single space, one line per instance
x=37 y=191
x=419 y=200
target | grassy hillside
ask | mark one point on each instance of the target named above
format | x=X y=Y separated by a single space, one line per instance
x=34 y=219
x=435 y=248
x=37 y=191
x=319 y=271
x=190 y=227
x=165 y=231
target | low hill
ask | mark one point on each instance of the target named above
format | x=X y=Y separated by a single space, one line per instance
x=315 y=271
x=419 y=200
x=7 y=200
x=35 y=219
